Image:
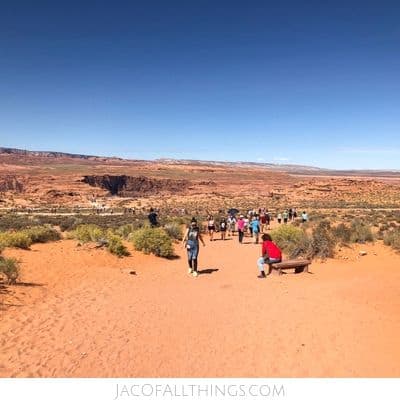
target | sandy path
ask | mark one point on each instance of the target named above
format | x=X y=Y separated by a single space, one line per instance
x=88 y=317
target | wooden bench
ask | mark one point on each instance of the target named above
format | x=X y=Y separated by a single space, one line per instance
x=297 y=265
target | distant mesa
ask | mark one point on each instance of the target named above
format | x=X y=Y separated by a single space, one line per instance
x=131 y=186
x=291 y=169
x=53 y=154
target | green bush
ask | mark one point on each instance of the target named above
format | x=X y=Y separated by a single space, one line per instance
x=285 y=235
x=125 y=230
x=174 y=230
x=24 y=238
x=295 y=242
x=15 y=239
x=87 y=233
x=9 y=267
x=42 y=234
x=153 y=240
x=115 y=245
x=392 y=238
x=360 y=232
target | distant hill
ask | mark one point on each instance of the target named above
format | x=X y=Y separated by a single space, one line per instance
x=292 y=169
x=53 y=154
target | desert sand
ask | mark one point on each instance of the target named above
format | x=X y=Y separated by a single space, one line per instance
x=81 y=313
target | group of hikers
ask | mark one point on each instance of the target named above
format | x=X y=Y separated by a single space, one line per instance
x=270 y=252
x=254 y=223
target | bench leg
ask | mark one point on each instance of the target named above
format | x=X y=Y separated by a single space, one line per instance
x=305 y=269
x=274 y=270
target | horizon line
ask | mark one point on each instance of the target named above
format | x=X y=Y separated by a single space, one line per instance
x=5 y=150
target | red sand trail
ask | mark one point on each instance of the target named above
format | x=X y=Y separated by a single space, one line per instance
x=84 y=315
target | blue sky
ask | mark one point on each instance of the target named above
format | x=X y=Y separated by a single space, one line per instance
x=314 y=83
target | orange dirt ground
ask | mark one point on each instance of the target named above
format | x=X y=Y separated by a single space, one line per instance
x=80 y=313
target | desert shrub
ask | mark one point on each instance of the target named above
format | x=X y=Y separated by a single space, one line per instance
x=290 y=239
x=178 y=220
x=295 y=242
x=125 y=231
x=42 y=234
x=15 y=239
x=87 y=233
x=114 y=221
x=384 y=227
x=392 y=238
x=322 y=241
x=174 y=231
x=68 y=223
x=342 y=233
x=9 y=267
x=284 y=235
x=16 y=222
x=360 y=232
x=115 y=245
x=153 y=240
x=302 y=248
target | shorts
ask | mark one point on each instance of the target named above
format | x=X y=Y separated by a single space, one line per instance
x=211 y=228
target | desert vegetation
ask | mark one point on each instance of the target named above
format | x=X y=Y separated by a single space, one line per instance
x=392 y=238
x=153 y=240
x=9 y=268
x=319 y=239
x=24 y=238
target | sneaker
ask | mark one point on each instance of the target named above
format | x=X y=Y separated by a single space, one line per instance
x=261 y=276
x=194 y=273
x=190 y=270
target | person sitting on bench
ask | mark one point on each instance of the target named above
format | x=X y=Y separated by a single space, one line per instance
x=270 y=254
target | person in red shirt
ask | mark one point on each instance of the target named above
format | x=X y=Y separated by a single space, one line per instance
x=270 y=253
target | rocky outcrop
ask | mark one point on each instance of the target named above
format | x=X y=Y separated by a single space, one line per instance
x=10 y=183
x=131 y=186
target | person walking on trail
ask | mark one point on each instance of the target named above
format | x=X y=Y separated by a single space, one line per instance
x=241 y=228
x=279 y=218
x=246 y=224
x=255 y=229
x=231 y=225
x=191 y=243
x=285 y=216
x=222 y=228
x=263 y=222
x=270 y=253
x=153 y=218
x=304 y=216
x=268 y=218
x=211 y=227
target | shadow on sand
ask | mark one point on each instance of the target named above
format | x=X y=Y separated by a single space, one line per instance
x=28 y=284
x=208 y=271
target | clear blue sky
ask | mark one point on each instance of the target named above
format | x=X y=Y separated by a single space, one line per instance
x=299 y=82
